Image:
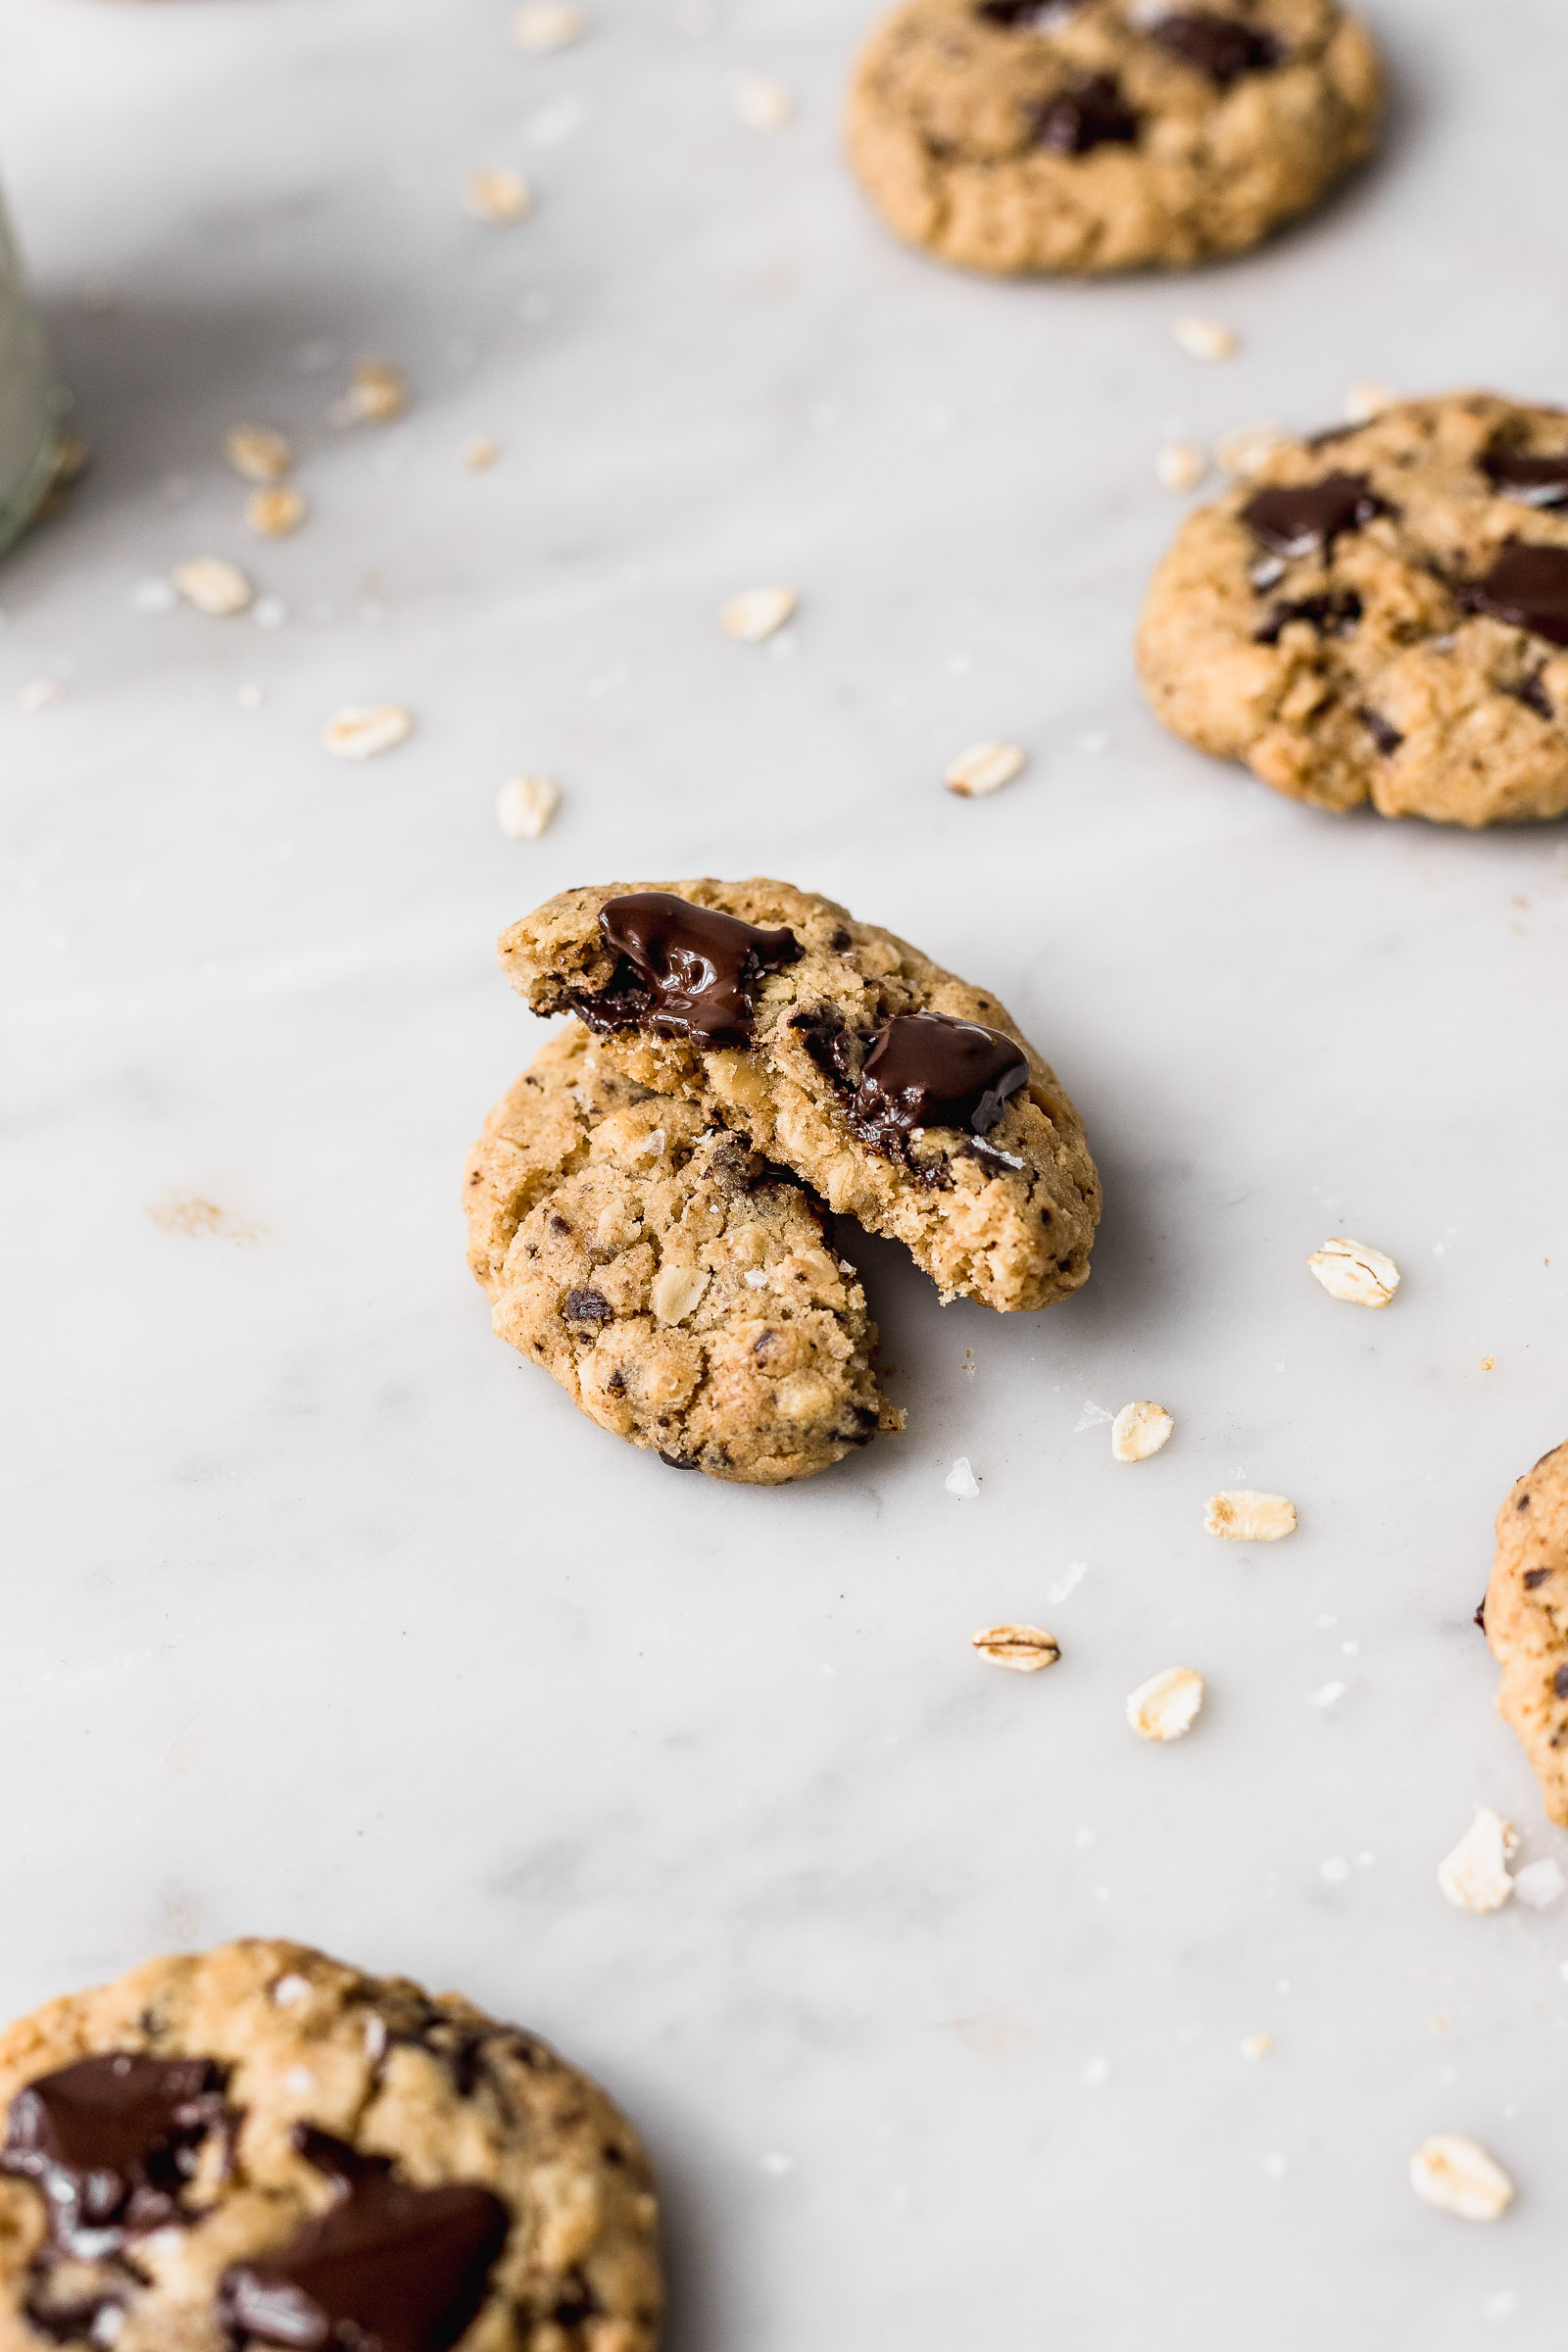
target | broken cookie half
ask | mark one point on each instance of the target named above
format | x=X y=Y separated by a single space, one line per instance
x=683 y=1292
x=905 y=1097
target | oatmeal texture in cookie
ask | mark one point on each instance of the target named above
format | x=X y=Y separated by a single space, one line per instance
x=1526 y=1619
x=1380 y=614
x=1093 y=135
x=260 y=2146
x=903 y=1095
x=683 y=1292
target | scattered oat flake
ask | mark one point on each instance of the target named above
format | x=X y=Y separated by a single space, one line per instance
x=1350 y=1271
x=1206 y=339
x=1457 y=2175
x=213 y=585
x=1474 y=1876
x=985 y=767
x=1258 y=2045
x=196 y=1220
x=961 y=1480
x=677 y=1291
x=481 y=454
x=1488 y=1363
x=40 y=693
x=273 y=514
x=525 y=804
x=364 y=730
x=257 y=452
x=762 y=102
x=1539 y=1885
x=541 y=26
x=1244 y=1517
x=757 y=613
x=378 y=395
x=1139 y=1431
x=1023 y=1647
x=1179 y=465
x=1168 y=1705
x=499 y=195
x=1365 y=401
x=1246 y=452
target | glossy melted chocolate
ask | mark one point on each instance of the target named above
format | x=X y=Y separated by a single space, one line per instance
x=386 y=2269
x=1533 y=481
x=699 y=970
x=1306 y=520
x=110 y=2143
x=924 y=1070
x=1527 y=586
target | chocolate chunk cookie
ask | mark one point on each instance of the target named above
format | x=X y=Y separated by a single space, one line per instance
x=1093 y=135
x=903 y=1097
x=1381 y=614
x=257 y=2146
x=1526 y=1617
x=686 y=1295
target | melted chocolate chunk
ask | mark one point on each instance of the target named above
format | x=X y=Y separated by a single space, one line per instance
x=1335 y=613
x=1533 y=481
x=1218 y=46
x=835 y=1049
x=112 y=2143
x=1383 y=733
x=386 y=2269
x=1527 y=586
x=1307 y=519
x=925 y=1070
x=1028 y=16
x=686 y=971
x=1091 y=113
x=588 y=1306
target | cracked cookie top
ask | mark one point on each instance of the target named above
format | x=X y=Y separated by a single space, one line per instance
x=259 y=2146
x=1090 y=135
x=687 y=1294
x=900 y=1095
x=1380 y=613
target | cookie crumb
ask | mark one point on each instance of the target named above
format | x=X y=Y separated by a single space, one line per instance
x=1246 y=452
x=1168 y=1705
x=1025 y=1649
x=757 y=613
x=257 y=452
x=1258 y=2045
x=1350 y=1271
x=500 y=196
x=1365 y=401
x=525 y=804
x=364 y=730
x=195 y=1219
x=481 y=452
x=1139 y=1431
x=1206 y=339
x=1458 y=2177
x=40 y=693
x=985 y=767
x=1244 y=1517
x=1539 y=1885
x=378 y=395
x=1474 y=1876
x=763 y=102
x=1179 y=465
x=276 y=512
x=961 y=1480
x=213 y=585
x=544 y=26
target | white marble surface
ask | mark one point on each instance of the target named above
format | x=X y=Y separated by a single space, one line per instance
x=326 y=1616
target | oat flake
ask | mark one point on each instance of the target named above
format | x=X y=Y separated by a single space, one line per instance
x=1168 y=1705
x=1025 y=1649
x=1353 y=1272
x=1457 y=2175
x=1244 y=1517
x=500 y=196
x=1139 y=1431
x=762 y=102
x=378 y=395
x=1179 y=465
x=757 y=613
x=257 y=452
x=677 y=1291
x=543 y=26
x=363 y=731
x=274 y=513
x=1206 y=339
x=213 y=585
x=985 y=767
x=525 y=804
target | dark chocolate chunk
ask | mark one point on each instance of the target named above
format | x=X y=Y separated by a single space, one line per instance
x=1383 y=733
x=588 y=1306
x=112 y=2143
x=386 y=2269
x=1307 y=520
x=1533 y=481
x=1028 y=16
x=836 y=1051
x=1536 y=1577
x=698 y=969
x=1559 y=1682
x=925 y=1070
x=679 y=1462
x=1527 y=586
x=1533 y=694
x=1334 y=613
x=1218 y=46
x=1091 y=113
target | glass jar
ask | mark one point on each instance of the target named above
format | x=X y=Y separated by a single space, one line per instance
x=30 y=405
